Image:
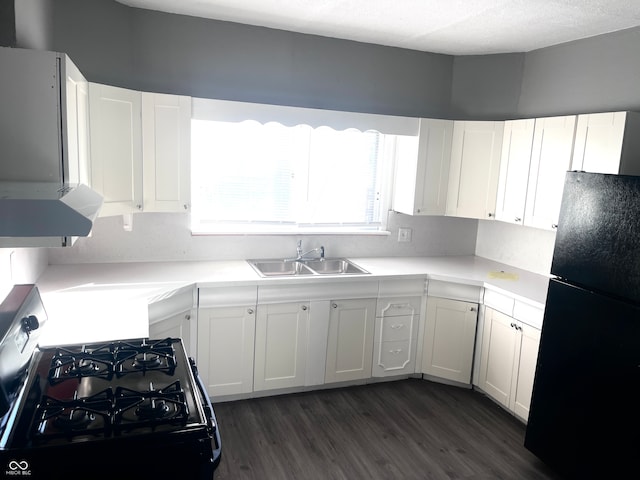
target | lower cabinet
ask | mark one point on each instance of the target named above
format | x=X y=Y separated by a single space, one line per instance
x=449 y=339
x=397 y=321
x=281 y=345
x=508 y=361
x=174 y=326
x=174 y=316
x=225 y=349
x=350 y=340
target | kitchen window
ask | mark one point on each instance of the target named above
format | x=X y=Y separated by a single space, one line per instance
x=284 y=170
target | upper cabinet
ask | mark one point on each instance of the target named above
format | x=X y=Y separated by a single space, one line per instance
x=608 y=143
x=514 y=170
x=420 y=184
x=550 y=160
x=140 y=148
x=166 y=146
x=77 y=125
x=116 y=147
x=475 y=168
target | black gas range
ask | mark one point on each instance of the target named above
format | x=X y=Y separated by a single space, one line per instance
x=129 y=408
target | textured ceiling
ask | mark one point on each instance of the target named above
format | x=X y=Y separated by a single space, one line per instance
x=456 y=27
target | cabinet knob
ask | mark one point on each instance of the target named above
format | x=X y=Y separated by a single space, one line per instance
x=334 y=305
x=517 y=219
x=472 y=309
x=185 y=206
x=554 y=225
x=250 y=311
x=139 y=206
x=513 y=325
x=187 y=317
x=304 y=307
x=490 y=214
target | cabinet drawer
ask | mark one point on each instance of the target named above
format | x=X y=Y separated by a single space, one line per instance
x=498 y=301
x=400 y=306
x=528 y=314
x=397 y=328
x=394 y=355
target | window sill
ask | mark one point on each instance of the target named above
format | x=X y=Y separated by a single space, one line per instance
x=261 y=230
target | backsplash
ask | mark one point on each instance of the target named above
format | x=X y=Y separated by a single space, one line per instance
x=167 y=237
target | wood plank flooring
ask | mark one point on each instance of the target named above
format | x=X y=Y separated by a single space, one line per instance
x=407 y=429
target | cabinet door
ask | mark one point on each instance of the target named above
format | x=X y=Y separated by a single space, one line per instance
x=116 y=148
x=175 y=326
x=350 y=344
x=225 y=349
x=598 y=143
x=514 y=170
x=525 y=370
x=166 y=141
x=281 y=345
x=475 y=168
x=77 y=125
x=421 y=180
x=449 y=339
x=395 y=336
x=550 y=160
x=499 y=342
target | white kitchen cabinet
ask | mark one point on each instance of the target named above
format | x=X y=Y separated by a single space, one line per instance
x=550 y=160
x=226 y=335
x=475 y=169
x=608 y=143
x=514 y=170
x=77 y=125
x=508 y=361
x=449 y=339
x=421 y=180
x=225 y=349
x=166 y=147
x=350 y=340
x=177 y=325
x=281 y=345
x=396 y=331
x=140 y=150
x=116 y=148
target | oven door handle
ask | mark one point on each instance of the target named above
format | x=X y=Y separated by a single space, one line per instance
x=212 y=423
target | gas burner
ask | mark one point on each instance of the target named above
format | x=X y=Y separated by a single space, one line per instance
x=81 y=362
x=144 y=357
x=71 y=418
x=136 y=409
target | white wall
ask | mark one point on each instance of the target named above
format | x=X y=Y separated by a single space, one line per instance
x=523 y=247
x=167 y=237
x=20 y=265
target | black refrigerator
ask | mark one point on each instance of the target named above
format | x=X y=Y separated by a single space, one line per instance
x=585 y=406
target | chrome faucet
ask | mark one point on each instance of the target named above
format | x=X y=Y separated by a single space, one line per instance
x=305 y=256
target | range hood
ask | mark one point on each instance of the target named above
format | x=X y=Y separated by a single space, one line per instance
x=45 y=214
x=44 y=154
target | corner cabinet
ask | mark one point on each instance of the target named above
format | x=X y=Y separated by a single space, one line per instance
x=421 y=181
x=226 y=334
x=350 y=340
x=140 y=150
x=475 y=169
x=116 y=147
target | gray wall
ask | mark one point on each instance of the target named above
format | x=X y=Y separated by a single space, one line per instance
x=34 y=26
x=155 y=51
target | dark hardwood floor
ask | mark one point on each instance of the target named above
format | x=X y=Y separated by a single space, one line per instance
x=408 y=429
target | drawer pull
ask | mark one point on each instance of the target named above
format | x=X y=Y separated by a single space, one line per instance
x=396 y=351
x=396 y=326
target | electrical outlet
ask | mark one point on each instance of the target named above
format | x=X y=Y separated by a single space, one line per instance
x=404 y=234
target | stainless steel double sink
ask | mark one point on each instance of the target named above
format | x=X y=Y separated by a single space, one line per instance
x=300 y=267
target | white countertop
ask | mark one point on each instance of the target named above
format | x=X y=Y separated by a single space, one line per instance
x=101 y=302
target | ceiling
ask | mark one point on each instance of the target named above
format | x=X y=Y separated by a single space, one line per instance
x=455 y=27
